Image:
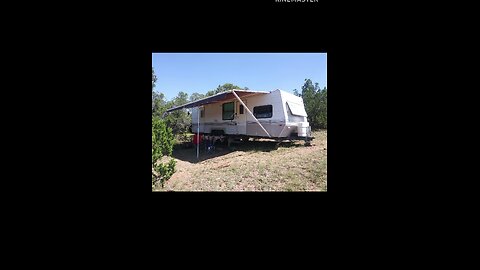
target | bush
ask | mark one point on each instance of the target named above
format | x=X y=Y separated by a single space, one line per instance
x=162 y=145
x=163 y=172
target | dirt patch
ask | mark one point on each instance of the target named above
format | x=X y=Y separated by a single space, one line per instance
x=254 y=166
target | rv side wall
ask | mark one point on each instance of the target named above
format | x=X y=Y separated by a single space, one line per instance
x=281 y=124
x=274 y=124
x=298 y=124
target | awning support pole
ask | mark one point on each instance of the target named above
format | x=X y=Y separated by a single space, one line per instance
x=198 y=131
x=245 y=106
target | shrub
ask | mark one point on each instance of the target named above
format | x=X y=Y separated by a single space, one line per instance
x=162 y=145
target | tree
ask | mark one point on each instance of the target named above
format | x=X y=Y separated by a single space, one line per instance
x=180 y=99
x=159 y=105
x=315 y=101
x=196 y=96
x=162 y=145
x=308 y=95
x=320 y=117
x=296 y=93
x=162 y=139
x=210 y=93
x=223 y=88
x=154 y=79
x=179 y=121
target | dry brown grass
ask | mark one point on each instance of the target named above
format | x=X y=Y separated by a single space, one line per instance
x=258 y=166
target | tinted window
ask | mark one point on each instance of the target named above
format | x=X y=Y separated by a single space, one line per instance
x=263 y=111
x=241 y=109
x=227 y=111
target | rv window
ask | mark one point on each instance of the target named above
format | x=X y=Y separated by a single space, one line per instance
x=202 y=112
x=297 y=109
x=263 y=111
x=241 y=109
x=227 y=111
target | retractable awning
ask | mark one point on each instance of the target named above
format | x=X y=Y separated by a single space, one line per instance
x=218 y=98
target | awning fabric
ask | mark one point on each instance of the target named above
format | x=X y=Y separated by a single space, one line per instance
x=218 y=98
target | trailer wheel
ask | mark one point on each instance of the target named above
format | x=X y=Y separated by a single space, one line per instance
x=308 y=143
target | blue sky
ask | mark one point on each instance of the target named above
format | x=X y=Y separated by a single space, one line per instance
x=201 y=72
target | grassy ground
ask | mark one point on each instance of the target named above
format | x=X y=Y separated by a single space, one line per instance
x=253 y=166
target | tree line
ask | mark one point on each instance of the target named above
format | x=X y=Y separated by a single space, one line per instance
x=315 y=101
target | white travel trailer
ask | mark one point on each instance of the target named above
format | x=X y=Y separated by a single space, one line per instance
x=244 y=113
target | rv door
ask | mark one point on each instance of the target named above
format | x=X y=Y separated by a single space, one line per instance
x=241 y=118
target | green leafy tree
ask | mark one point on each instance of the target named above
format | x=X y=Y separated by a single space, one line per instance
x=296 y=93
x=315 y=101
x=308 y=95
x=154 y=79
x=210 y=93
x=162 y=145
x=196 y=96
x=179 y=121
x=162 y=139
x=159 y=105
x=223 y=88
x=154 y=94
x=320 y=112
